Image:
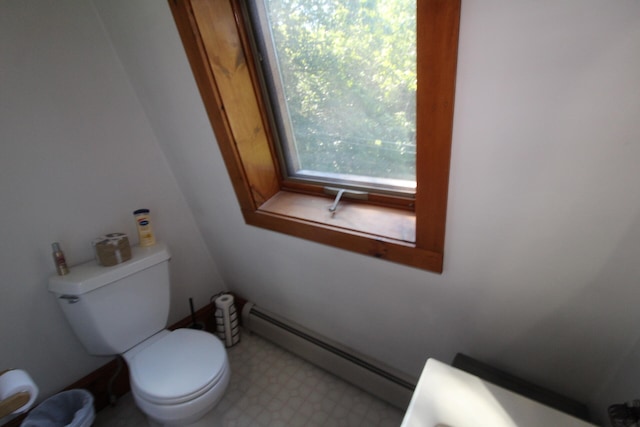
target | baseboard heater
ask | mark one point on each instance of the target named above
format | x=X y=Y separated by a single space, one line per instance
x=372 y=376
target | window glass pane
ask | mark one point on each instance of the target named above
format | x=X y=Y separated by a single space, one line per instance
x=342 y=77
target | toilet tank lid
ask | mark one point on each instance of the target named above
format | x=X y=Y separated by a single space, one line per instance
x=86 y=277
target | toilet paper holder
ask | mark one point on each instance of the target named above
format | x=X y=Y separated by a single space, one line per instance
x=13 y=402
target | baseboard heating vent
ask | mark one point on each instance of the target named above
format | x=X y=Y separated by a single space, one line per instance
x=372 y=376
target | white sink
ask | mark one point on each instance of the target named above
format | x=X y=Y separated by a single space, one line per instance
x=448 y=397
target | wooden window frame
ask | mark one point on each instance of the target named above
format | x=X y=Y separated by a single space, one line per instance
x=409 y=231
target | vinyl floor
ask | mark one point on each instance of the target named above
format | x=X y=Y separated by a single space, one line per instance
x=269 y=388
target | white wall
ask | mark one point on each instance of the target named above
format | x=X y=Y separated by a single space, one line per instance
x=543 y=232
x=77 y=156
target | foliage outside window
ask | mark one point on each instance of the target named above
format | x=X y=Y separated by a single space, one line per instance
x=399 y=228
x=342 y=83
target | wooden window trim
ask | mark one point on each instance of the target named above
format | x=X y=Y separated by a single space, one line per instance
x=410 y=232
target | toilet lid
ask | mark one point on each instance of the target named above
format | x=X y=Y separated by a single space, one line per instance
x=179 y=367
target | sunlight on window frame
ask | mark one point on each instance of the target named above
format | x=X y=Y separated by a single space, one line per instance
x=405 y=230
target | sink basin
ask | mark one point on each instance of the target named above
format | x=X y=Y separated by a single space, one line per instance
x=448 y=397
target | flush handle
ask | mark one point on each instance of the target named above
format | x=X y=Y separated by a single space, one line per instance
x=71 y=299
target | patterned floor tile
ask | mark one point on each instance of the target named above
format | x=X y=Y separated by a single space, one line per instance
x=273 y=388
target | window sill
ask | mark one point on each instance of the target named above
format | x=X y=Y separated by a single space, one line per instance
x=216 y=40
x=376 y=231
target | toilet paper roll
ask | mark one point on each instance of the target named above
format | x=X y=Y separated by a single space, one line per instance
x=227 y=327
x=18 y=381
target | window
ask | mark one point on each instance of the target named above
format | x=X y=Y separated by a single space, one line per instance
x=398 y=226
x=341 y=80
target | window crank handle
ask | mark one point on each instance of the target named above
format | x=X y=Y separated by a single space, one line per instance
x=334 y=206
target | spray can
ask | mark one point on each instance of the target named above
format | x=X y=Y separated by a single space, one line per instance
x=59 y=260
x=143 y=223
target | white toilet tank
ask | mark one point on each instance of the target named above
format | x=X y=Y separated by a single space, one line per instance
x=112 y=309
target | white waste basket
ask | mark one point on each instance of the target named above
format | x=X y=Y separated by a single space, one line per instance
x=71 y=408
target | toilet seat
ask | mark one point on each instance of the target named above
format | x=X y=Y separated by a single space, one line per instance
x=177 y=366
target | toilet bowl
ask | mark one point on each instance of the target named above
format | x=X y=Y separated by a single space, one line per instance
x=177 y=377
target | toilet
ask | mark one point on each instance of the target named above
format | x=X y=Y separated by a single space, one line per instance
x=176 y=376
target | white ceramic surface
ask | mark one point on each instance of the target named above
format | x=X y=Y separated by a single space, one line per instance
x=448 y=397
